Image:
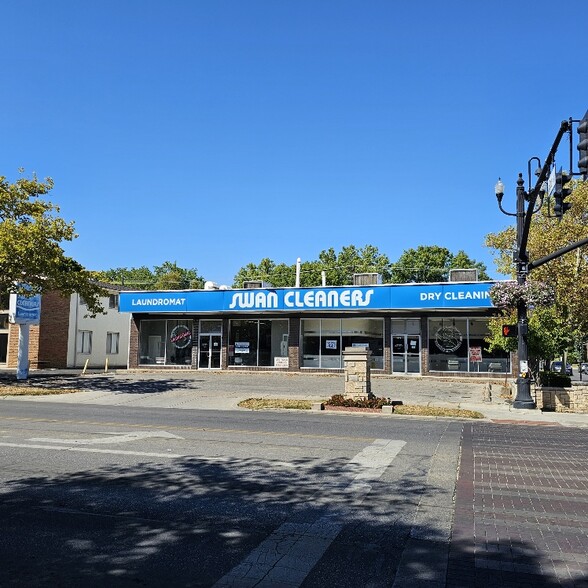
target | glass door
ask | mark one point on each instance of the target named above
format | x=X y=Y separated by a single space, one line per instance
x=399 y=354
x=413 y=354
x=406 y=354
x=209 y=352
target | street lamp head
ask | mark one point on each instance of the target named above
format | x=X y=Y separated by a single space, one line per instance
x=499 y=190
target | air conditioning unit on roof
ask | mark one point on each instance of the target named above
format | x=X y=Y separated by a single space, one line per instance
x=252 y=284
x=463 y=275
x=370 y=279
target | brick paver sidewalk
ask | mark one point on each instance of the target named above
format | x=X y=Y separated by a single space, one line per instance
x=521 y=515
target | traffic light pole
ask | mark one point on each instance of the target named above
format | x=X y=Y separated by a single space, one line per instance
x=523 y=397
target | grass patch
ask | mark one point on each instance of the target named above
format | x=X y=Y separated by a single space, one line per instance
x=435 y=411
x=404 y=409
x=26 y=390
x=263 y=403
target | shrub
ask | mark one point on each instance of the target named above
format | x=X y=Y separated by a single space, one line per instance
x=507 y=295
x=340 y=400
x=554 y=380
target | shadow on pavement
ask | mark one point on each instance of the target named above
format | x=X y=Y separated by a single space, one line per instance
x=189 y=522
x=103 y=383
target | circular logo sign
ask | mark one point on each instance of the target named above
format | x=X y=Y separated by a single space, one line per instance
x=448 y=339
x=181 y=337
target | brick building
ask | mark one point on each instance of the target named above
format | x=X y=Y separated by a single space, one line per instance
x=67 y=338
x=419 y=329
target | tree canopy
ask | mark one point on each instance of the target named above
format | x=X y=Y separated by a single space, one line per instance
x=167 y=276
x=431 y=263
x=426 y=263
x=31 y=232
x=558 y=328
x=338 y=267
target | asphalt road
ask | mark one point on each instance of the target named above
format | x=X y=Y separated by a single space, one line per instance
x=99 y=496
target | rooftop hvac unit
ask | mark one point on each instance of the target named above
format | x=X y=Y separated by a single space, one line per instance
x=463 y=275
x=251 y=284
x=366 y=279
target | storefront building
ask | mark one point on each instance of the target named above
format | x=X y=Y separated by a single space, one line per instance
x=409 y=328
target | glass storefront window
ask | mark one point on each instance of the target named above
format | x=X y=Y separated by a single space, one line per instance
x=330 y=343
x=323 y=341
x=165 y=342
x=212 y=327
x=311 y=342
x=457 y=345
x=258 y=343
x=178 y=349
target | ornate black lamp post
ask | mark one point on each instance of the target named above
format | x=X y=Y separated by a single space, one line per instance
x=521 y=257
x=523 y=398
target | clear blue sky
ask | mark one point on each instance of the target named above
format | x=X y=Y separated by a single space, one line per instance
x=216 y=133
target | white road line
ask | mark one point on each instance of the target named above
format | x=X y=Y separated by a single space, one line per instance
x=288 y=555
x=113 y=438
x=89 y=450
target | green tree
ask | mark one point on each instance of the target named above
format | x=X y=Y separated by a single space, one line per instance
x=338 y=267
x=558 y=329
x=547 y=338
x=264 y=271
x=138 y=278
x=351 y=260
x=167 y=276
x=431 y=263
x=31 y=233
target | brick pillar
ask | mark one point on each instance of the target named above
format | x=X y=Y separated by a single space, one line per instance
x=357 y=372
x=133 y=361
x=294 y=344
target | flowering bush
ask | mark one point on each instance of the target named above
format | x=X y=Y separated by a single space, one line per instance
x=340 y=400
x=507 y=295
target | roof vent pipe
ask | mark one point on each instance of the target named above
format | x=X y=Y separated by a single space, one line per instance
x=324 y=278
x=298 y=261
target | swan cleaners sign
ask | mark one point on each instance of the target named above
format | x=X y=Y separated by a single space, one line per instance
x=442 y=296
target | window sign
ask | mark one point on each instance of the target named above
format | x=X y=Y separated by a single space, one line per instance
x=448 y=339
x=181 y=336
x=331 y=344
x=475 y=354
x=241 y=346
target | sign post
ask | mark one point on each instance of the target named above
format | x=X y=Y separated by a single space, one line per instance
x=24 y=311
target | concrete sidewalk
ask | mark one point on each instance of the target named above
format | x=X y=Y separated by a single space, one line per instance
x=224 y=390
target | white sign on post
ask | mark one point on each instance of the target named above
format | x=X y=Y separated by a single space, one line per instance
x=551 y=183
x=24 y=311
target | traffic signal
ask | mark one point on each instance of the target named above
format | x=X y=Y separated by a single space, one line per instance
x=560 y=207
x=583 y=146
x=510 y=330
